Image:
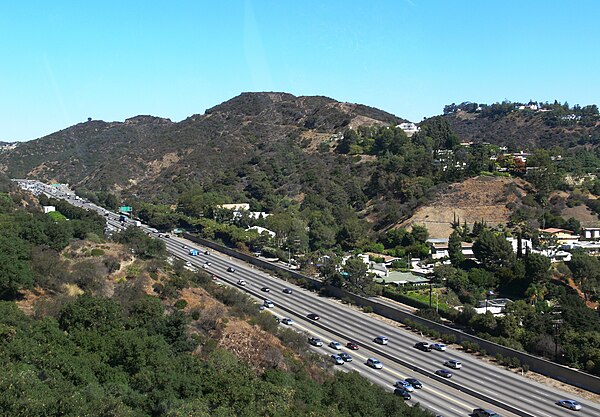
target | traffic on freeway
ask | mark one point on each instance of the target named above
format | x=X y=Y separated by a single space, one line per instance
x=443 y=381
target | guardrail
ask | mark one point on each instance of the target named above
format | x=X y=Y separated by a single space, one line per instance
x=545 y=367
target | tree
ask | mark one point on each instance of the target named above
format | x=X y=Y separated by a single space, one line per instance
x=493 y=251
x=357 y=278
x=537 y=268
x=15 y=269
x=455 y=249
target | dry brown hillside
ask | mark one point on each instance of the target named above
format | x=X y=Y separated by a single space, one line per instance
x=472 y=200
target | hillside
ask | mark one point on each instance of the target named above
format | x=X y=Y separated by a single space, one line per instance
x=145 y=153
x=525 y=129
x=476 y=199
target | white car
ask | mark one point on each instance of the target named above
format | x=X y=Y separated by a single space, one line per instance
x=269 y=304
x=570 y=404
x=242 y=282
x=287 y=321
x=453 y=363
x=188 y=264
x=335 y=345
x=438 y=346
x=374 y=363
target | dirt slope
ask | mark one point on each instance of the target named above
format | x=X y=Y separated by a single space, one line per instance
x=472 y=200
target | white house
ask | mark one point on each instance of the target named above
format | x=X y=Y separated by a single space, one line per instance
x=591 y=233
x=409 y=128
x=48 y=209
x=262 y=230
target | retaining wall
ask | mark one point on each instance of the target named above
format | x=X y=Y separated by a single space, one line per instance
x=537 y=364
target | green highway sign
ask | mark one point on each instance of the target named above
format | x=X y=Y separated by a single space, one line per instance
x=125 y=209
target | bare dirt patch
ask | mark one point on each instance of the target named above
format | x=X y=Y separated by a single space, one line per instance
x=476 y=199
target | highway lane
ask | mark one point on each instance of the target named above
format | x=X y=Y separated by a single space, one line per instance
x=536 y=398
x=524 y=393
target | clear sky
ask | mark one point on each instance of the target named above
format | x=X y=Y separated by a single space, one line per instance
x=65 y=61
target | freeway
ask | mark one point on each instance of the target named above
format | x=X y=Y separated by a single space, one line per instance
x=400 y=358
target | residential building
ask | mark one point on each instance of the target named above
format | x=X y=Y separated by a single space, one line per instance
x=590 y=233
x=558 y=236
x=262 y=230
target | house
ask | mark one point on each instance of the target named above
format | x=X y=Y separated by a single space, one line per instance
x=526 y=244
x=254 y=215
x=439 y=249
x=589 y=247
x=235 y=206
x=402 y=278
x=560 y=236
x=262 y=230
x=48 y=209
x=409 y=128
x=590 y=233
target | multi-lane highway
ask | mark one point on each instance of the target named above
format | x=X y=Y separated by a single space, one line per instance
x=342 y=323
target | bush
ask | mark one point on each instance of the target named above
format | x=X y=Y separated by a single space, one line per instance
x=195 y=314
x=180 y=304
x=97 y=252
x=499 y=358
x=450 y=338
x=367 y=309
x=525 y=367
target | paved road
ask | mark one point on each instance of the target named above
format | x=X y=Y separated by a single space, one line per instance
x=341 y=323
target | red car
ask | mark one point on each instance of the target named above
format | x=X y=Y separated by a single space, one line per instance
x=352 y=346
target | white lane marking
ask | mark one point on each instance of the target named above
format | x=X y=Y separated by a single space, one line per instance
x=395 y=373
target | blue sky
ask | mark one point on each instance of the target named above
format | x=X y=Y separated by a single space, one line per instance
x=65 y=61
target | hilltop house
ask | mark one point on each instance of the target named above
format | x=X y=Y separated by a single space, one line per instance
x=560 y=236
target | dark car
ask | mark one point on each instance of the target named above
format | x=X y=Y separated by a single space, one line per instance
x=313 y=316
x=424 y=346
x=352 y=346
x=265 y=289
x=444 y=372
x=287 y=290
x=414 y=382
x=206 y=252
x=345 y=357
x=403 y=393
x=230 y=269
x=480 y=412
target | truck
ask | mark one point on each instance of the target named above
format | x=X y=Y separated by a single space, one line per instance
x=122 y=218
x=194 y=252
x=138 y=223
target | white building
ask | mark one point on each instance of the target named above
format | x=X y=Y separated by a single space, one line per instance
x=591 y=233
x=262 y=230
x=48 y=209
x=409 y=128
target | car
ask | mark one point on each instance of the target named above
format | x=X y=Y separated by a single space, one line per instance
x=352 y=346
x=438 y=346
x=404 y=385
x=481 y=412
x=313 y=316
x=335 y=345
x=206 y=252
x=287 y=290
x=382 y=340
x=424 y=346
x=444 y=372
x=268 y=304
x=402 y=393
x=205 y=266
x=184 y=246
x=242 y=282
x=374 y=363
x=453 y=363
x=337 y=360
x=188 y=264
x=570 y=404
x=230 y=269
x=345 y=357
x=265 y=289
x=414 y=382
x=315 y=341
x=214 y=277
x=287 y=321
x=207 y=263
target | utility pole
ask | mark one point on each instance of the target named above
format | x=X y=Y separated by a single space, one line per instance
x=556 y=322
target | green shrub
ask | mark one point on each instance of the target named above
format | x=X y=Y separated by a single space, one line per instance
x=97 y=252
x=180 y=304
x=367 y=309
